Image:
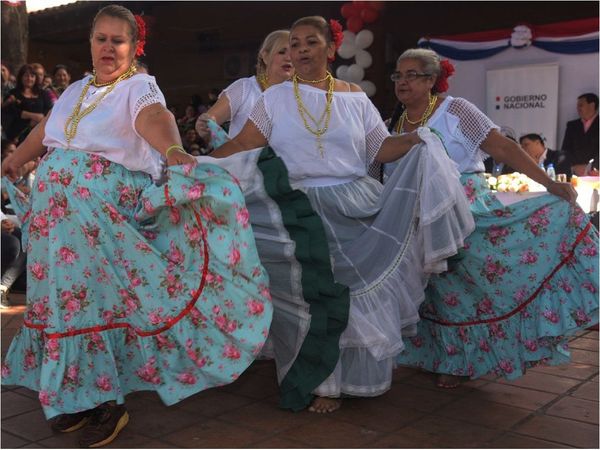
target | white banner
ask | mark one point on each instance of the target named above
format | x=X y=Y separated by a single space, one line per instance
x=525 y=99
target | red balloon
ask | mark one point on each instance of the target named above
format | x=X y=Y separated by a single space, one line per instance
x=348 y=10
x=354 y=24
x=359 y=6
x=369 y=15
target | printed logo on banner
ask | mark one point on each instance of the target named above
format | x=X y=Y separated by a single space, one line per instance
x=525 y=98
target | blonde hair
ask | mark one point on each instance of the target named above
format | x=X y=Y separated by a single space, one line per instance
x=271 y=45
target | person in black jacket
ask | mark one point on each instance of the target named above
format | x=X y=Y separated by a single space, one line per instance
x=535 y=147
x=581 y=137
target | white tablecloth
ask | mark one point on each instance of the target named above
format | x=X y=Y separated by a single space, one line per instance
x=587 y=197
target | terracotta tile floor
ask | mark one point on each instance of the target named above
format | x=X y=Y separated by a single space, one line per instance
x=550 y=407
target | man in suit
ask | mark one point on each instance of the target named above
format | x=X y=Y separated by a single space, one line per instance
x=581 y=137
x=534 y=145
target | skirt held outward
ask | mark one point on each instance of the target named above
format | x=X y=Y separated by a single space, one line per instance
x=528 y=281
x=352 y=261
x=134 y=286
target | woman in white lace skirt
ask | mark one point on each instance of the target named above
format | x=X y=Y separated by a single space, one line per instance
x=363 y=252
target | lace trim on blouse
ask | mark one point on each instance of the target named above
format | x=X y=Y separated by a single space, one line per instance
x=149 y=98
x=473 y=124
x=374 y=140
x=261 y=119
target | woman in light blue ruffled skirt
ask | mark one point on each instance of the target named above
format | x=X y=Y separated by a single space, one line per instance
x=131 y=285
x=528 y=277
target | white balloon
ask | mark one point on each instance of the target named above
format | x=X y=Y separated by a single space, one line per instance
x=368 y=87
x=342 y=72
x=355 y=73
x=364 y=38
x=363 y=59
x=349 y=37
x=346 y=51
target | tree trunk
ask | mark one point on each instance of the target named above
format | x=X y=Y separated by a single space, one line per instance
x=15 y=34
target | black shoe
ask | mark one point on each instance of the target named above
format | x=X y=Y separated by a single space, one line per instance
x=66 y=423
x=104 y=425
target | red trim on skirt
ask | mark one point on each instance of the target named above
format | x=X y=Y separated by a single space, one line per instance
x=531 y=298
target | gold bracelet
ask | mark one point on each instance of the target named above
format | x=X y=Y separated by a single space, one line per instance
x=176 y=147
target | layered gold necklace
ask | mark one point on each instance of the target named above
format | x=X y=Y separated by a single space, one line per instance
x=77 y=115
x=321 y=125
x=263 y=81
x=423 y=120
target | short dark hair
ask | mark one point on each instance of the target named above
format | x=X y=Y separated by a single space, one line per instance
x=590 y=98
x=532 y=137
x=59 y=67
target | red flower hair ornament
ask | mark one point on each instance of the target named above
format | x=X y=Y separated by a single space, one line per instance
x=337 y=35
x=446 y=71
x=141 y=42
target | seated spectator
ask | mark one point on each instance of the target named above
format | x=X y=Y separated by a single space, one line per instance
x=535 y=147
x=40 y=75
x=13 y=256
x=61 y=78
x=189 y=138
x=581 y=137
x=25 y=105
x=188 y=119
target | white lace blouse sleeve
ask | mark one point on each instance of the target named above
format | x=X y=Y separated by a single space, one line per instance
x=235 y=94
x=375 y=131
x=144 y=92
x=260 y=117
x=473 y=124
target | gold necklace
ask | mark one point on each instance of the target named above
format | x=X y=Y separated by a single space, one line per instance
x=77 y=115
x=132 y=69
x=319 y=130
x=263 y=81
x=424 y=117
x=328 y=74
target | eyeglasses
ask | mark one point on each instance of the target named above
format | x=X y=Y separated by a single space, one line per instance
x=411 y=75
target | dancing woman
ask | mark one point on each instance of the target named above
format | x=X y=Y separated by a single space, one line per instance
x=364 y=252
x=235 y=103
x=528 y=279
x=131 y=286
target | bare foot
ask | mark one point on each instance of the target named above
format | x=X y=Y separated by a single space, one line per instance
x=324 y=405
x=448 y=381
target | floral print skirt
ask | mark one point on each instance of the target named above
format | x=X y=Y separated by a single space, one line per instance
x=133 y=286
x=528 y=280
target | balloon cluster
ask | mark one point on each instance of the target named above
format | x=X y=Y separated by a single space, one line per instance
x=356 y=41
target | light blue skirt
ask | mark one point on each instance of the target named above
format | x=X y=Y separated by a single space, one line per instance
x=133 y=286
x=528 y=281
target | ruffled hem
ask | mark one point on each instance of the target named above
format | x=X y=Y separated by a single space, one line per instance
x=474 y=342
x=155 y=297
x=125 y=362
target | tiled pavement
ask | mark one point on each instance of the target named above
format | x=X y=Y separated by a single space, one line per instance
x=550 y=407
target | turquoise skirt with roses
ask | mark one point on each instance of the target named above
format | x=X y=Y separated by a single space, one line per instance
x=133 y=286
x=528 y=280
